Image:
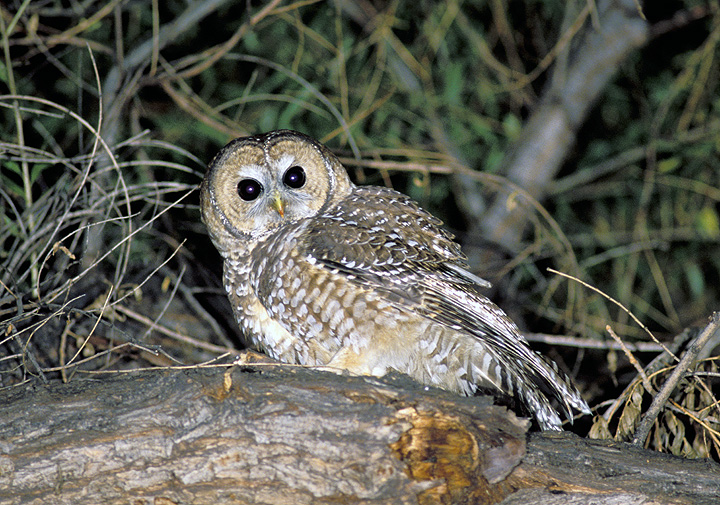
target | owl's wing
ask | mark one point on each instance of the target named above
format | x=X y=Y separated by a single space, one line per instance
x=380 y=232
x=382 y=240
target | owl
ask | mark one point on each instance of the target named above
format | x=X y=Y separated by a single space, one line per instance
x=322 y=272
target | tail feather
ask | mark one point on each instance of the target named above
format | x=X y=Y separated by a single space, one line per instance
x=534 y=381
x=488 y=350
x=564 y=390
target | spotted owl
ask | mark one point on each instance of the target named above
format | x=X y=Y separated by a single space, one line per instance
x=322 y=272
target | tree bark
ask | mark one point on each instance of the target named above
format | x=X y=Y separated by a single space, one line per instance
x=270 y=434
x=550 y=132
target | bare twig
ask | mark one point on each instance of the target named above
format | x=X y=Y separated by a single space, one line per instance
x=625 y=309
x=686 y=362
x=634 y=362
x=171 y=333
x=586 y=343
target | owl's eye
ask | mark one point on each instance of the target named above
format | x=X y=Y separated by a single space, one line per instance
x=294 y=177
x=249 y=189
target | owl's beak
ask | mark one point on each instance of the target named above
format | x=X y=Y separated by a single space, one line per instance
x=278 y=205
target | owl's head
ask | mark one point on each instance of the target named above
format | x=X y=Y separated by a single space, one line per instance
x=256 y=184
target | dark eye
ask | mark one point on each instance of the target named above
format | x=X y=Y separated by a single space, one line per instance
x=249 y=189
x=294 y=177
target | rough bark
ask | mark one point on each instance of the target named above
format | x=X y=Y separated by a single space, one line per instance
x=261 y=434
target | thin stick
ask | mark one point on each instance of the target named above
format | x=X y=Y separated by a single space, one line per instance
x=631 y=357
x=171 y=333
x=586 y=343
x=613 y=300
x=686 y=362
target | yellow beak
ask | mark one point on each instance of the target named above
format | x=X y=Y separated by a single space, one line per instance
x=278 y=205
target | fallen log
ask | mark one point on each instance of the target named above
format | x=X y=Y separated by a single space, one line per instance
x=277 y=434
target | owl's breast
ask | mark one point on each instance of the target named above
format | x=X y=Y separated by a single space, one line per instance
x=270 y=291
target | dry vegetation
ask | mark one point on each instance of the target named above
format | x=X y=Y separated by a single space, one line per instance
x=110 y=111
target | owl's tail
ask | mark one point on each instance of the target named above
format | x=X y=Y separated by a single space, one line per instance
x=482 y=348
x=529 y=378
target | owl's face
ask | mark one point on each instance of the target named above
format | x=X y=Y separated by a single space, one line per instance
x=256 y=184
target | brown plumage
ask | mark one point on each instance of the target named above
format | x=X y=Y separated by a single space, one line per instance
x=322 y=272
